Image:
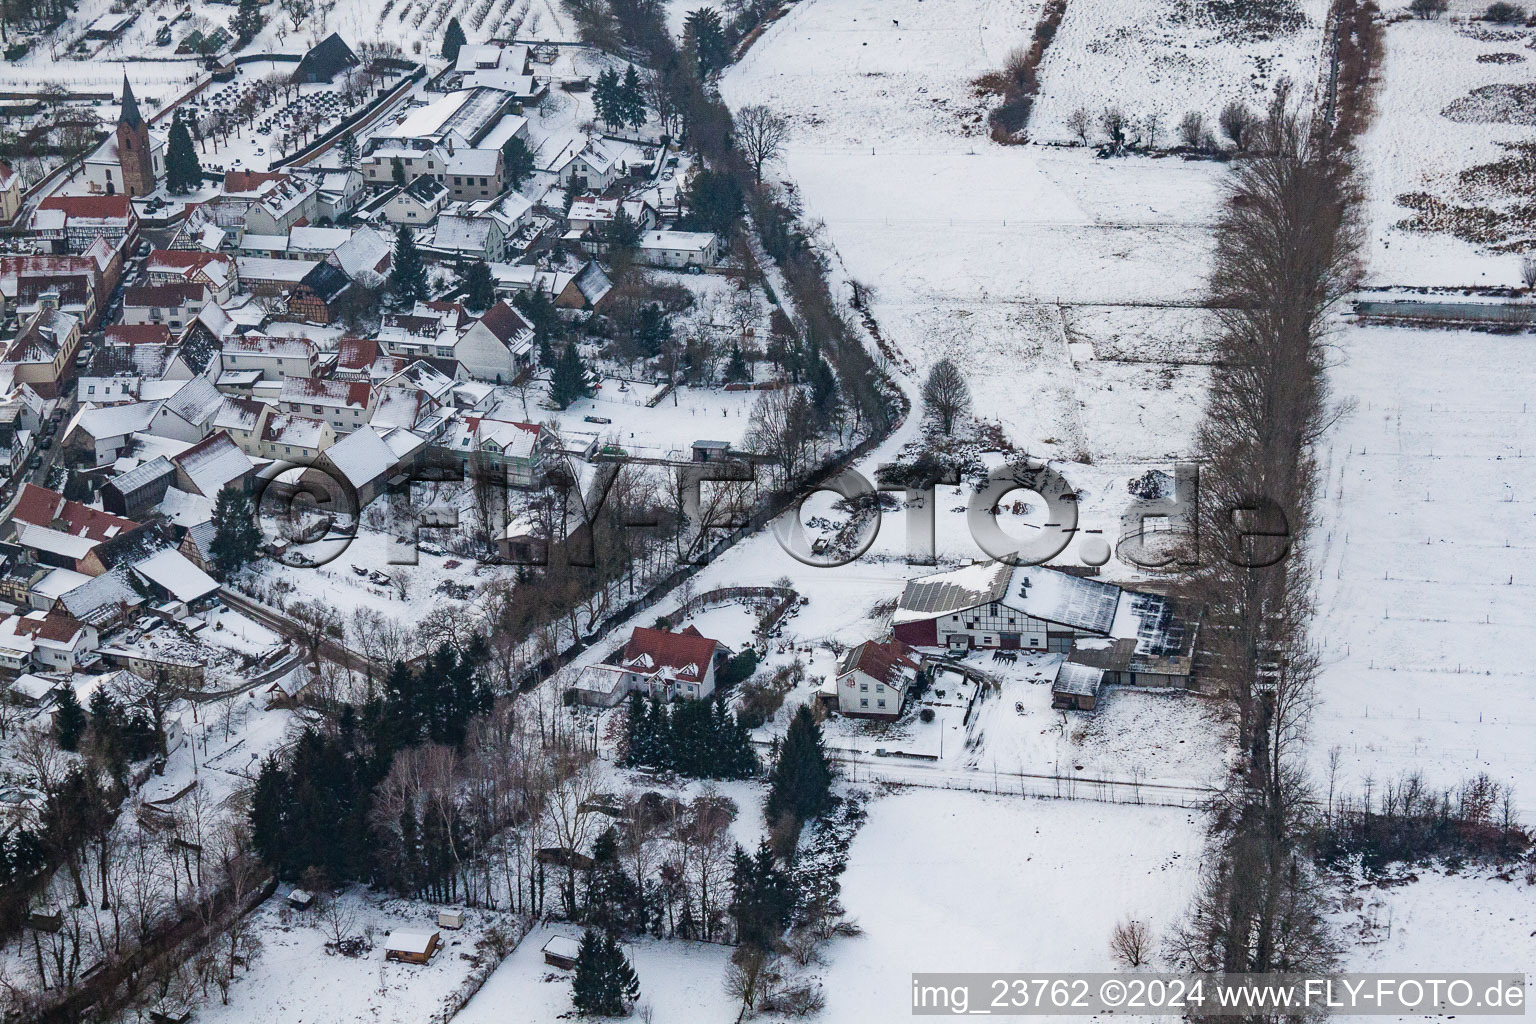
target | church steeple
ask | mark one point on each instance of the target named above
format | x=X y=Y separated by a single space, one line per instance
x=130 y=115
x=135 y=149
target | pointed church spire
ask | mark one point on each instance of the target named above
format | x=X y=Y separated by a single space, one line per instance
x=130 y=115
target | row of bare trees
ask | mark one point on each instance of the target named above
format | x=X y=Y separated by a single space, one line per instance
x=1285 y=255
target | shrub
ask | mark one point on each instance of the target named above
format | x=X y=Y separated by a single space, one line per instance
x=1192 y=130
x=926 y=714
x=737 y=670
x=1428 y=8
x=1502 y=13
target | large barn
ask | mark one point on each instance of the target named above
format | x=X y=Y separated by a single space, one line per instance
x=1131 y=637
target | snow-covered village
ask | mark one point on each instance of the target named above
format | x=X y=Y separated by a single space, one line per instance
x=707 y=511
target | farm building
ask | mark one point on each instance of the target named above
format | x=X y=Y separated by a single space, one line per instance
x=1135 y=638
x=1076 y=687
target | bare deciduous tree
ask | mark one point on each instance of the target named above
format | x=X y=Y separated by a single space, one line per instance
x=1079 y=123
x=946 y=394
x=761 y=134
x=1192 y=130
x=1235 y=121
x=1114 y=123
x=1131 y=943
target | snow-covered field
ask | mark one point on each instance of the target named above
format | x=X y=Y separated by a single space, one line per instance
x=1169 y=57
x=973 y=250
x=1426 y=562
x=1413 y=147
x=1405 y=926
x=944 y=881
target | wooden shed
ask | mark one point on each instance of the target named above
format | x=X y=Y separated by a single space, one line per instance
x=560 y=951
x=1076 y=686
x=411 y=947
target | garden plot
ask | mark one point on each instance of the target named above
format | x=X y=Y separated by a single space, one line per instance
x=681 y=983
x=948 y=881
x=1448 y=202
x=1168 y=57
x=293 y=979
x=1426 y=561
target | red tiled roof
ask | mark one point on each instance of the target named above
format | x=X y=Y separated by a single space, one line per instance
x=504 y=321
x=250 y=181
x=95 y=207
x=184 y=259
x=47 y=265
x=881 y=661
x=137 y=334
x=676 y=651
x=40 y=507
x=172 y=294
x=60 y=627
x=356 y=353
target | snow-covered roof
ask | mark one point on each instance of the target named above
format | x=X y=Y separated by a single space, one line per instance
x=361 y=457
x=1075 y=601
x=196 y=401
x=1078 y=680
x=54 y=542
x=213 y=462
x=682 y=241
x=947 y=592
x=58 y=583
x=463 y=234
x=171 y=570
x=409 y=942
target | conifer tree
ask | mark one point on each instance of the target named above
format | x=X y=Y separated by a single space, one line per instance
x=346 y=150
x=608 y=98
x=736 y=368
x=604 y=983
x=801 y=783
x=453 y=39
x=517 y=161
x=408 y=275
x=569 y=382
x=183 y=173
x=704 y=37
x=236 y=533
x=632 y=98
x=654 y=329
x=479 y=288
x=68 y=719
x=248 y=21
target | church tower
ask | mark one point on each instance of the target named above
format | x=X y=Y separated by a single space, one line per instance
x=134 y=154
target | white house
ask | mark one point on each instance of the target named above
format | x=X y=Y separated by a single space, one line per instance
x=656 y=663
x=679 y=249
x=873 y=679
